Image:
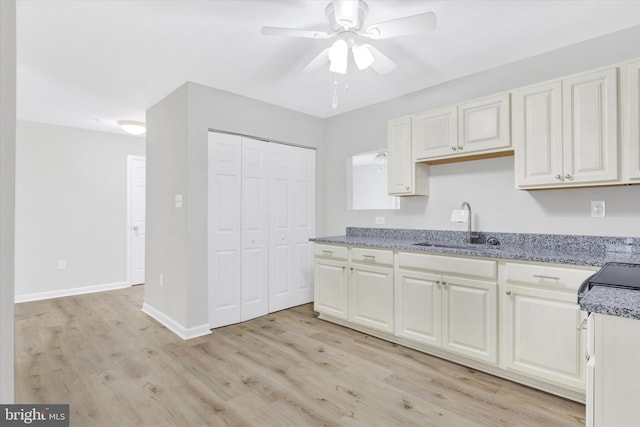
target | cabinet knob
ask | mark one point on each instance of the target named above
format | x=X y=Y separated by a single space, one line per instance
x=407 y=187
x=558 y=176
x=437 y=282
x=444 y=283
x=508 y=292
x=460 y=147
x=568 y=176
x=454 y=148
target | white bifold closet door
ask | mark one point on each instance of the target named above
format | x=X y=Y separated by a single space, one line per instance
x=261 y=215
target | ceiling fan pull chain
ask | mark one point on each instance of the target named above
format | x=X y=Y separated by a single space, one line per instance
x=334 y=99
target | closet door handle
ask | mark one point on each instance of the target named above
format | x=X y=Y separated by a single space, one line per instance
x=542 y=276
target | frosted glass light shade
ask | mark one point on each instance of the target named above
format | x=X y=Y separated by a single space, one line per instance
x=132 y=127
x=338 y=56
x=362 y=56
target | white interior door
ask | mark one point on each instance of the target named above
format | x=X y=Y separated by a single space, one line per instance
x=255 y=228
x=137 y=189
x=224 y=231
x=292 y=223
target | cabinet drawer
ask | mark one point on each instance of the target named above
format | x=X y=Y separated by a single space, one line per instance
x=485 y=269
x=558 y=278
x=372 y=256
x=330 y=251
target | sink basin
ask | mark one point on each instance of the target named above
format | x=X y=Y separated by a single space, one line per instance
x=452 y=246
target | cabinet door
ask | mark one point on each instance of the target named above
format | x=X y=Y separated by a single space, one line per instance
x=405 y=177
x=590 y=123
x=542 y=338
x=435 y=133
x=371 y=297
x=537 y=135
x=419 y=307
x=470 y=318
x=331 y=291
x=484 y=125
x=632 y=118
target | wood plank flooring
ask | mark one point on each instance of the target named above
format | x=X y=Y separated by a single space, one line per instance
x=116 y=366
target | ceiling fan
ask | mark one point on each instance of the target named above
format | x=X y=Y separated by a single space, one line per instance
x=346 y=18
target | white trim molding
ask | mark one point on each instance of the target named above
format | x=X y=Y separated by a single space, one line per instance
x=175 y=327
x=70 y=292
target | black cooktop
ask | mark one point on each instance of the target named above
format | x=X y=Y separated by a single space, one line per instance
x=617 y=274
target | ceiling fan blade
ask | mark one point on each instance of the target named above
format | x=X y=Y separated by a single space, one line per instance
x=381 y=64
x=415 y=24
x=318 y=62
x=292 y=32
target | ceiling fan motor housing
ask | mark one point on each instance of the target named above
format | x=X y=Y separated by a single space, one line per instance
x=348 y=23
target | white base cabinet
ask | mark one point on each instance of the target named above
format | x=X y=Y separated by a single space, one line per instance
x=613 y=392
x=542 y=321
x=331 y=290
x=518 y=320
x=455 y=313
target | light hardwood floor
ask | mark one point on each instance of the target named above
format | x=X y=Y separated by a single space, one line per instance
x=116 y=366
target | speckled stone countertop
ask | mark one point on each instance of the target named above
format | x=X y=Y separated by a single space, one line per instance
x=613 y=301
x=552 y=248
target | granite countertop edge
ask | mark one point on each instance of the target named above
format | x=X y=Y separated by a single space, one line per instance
x=582 y=258
x=586 y=251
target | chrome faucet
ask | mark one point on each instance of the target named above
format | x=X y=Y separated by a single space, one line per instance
x=470 y=234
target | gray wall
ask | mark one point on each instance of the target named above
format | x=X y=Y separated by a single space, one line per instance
x=7 y=192
x=177 y=164
x=71 y=204
x=488 y=185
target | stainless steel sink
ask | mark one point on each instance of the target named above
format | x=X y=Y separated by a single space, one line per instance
x=451 y=246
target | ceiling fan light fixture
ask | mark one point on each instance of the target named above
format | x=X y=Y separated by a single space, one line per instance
x=338 y=55
x=346 y=13
x=362 y=57
x=132 y=127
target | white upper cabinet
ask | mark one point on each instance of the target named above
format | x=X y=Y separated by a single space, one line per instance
x=484 y=125
x=477 y=127
x=435 y=133
x=566 y=132
x=590 y=115
x=405 y=177
x=537 y=133
x=631 y=107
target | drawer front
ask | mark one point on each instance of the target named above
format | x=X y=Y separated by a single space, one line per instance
x=330 y=251
x=372 y=256
x=557 y=278
x=485 y=269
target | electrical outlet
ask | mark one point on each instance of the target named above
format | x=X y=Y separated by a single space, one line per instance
x=380 y=220
x=62 y=264
x=597 y=209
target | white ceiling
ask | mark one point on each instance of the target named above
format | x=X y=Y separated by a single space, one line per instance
x=79 y=61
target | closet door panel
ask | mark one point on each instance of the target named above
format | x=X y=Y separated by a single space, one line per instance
x=224 y=231
x=292 y=224
x=255 y=229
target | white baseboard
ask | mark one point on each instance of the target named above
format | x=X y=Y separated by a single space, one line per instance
x=175 y=327
x=69 y=292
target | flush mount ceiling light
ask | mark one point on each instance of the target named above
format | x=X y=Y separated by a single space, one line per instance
x=132 y=127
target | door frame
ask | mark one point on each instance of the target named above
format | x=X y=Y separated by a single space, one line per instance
x=130 y=159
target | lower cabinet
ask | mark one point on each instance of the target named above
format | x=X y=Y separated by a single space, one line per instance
x=449 y=305
x=331 y=289
x=543 y=334
x=613 y=392
x=455 y=313
x=371 y=296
